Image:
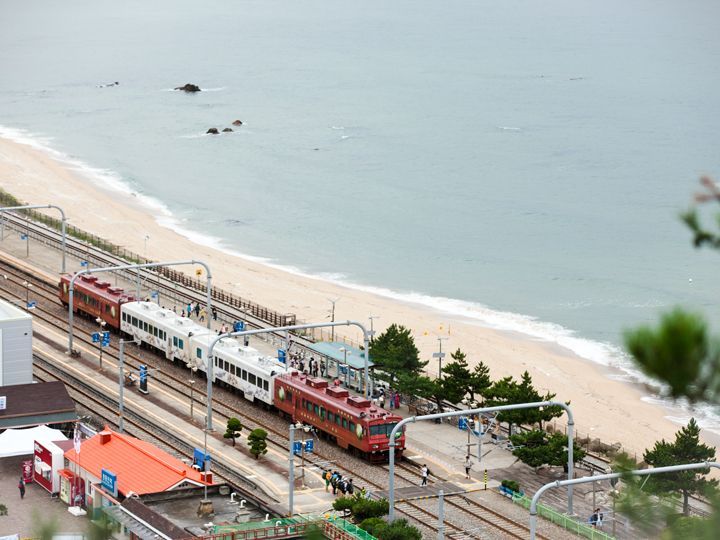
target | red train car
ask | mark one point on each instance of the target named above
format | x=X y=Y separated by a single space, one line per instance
x=353 y=422
x=94 y=298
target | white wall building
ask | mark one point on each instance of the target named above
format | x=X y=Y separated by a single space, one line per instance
x=15 y=345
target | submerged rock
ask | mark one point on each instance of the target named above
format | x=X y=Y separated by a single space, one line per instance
x=212 y=131
x=189 y=88
x=227 y=130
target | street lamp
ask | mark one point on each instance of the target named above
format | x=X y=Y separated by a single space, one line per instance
x=332 y=318
x=146 y=240
x=291 y=460
x=193 y=369
x=345 y=355
x=102 y=325
x=28 y=286
x=440 y=355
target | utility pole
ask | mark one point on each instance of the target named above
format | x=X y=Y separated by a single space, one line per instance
x=332 y=318
x=440 y=355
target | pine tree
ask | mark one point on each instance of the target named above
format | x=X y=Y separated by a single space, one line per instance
x=234 y=427
x=394 y=353
x=687 y=448
x=257 y=440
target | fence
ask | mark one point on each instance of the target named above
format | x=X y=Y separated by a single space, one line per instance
x=564 y=521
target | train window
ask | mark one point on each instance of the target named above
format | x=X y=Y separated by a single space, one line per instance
x=266 y=385
x=134 y=321
x=198 y=352
x=322 y=413
x=389 y=428
x=330 y=416
x=308 y=406
x=244 y=375
x=337 y=419
x=174 y=341
x=289 y=395
x=251 y=378
x=344 y=423
x=232 y=369
x=377 y=430
x=145 y=326
x=226 y=365
x=316 y=410
x=181 y=344
x=107 y=308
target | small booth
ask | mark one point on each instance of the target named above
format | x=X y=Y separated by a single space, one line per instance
x=47 y=462
x=72 y=488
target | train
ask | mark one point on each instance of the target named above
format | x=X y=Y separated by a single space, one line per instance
x=352 y=422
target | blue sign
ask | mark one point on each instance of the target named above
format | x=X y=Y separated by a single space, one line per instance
x=462 y=423
x=154 y=294
x=238 y=326
x=343 y=369
x=95 y=337
x=200 y=457
x=109 y=482
x=31 y=304
x=105 y=339
x=83 y=263
x=309 y=446
x=23 y=237
x=297 y=447
x=106 y=335
x=143 y=374
x=281 y=355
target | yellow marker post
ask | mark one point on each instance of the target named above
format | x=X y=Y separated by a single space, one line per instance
x=198 y=272
x=486 y=478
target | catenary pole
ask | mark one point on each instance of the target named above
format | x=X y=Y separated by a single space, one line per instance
x=62 y=224
x=536 y=405
x=610 y=476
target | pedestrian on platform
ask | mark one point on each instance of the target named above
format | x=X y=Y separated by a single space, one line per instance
x=326 y=476
x=350 y=488
x=397 y=400
x=391 y=401
x=424 y=472
x=202 y=315
x=197 y=309
x=381 y=401
x=21 y=487
x=322 y=368
x=214 y=313
x=189 y=309
x=468 y=466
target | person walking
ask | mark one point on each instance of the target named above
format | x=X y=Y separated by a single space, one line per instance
x=189 y=309
x=322 y=368
x=397 y=400
x=197 y=309
x=468 y=466
x=214 y=313
x=424 y=472
x=21 y=487
x=326 y=476
x=202 y=315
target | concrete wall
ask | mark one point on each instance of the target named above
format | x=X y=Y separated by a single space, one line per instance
x=15 y=346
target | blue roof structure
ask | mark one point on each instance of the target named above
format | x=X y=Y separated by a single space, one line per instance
x=331 y=349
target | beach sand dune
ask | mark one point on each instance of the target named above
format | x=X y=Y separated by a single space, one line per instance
x=603 y=408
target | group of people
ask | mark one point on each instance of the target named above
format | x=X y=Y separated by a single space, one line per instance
x=313 y=367
x=338 y=482
x=392 y=398
x=200 y=312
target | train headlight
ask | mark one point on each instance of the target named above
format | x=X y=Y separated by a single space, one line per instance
x=375 y=446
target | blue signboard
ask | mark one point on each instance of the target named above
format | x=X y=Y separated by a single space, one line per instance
x=200 y=457
x=143 y=374
x=83 y=263
x=109 y=482
x=281 y=355
x=95 y=337
x=309 y=446
x=462 y=423
x=238 y=326
x=105 y=339
x=343 y=369
x=23 y=237
x=154 y=294
x=297 y=447
x=31 y=304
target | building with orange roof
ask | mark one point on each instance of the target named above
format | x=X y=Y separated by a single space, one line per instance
x=130 y=464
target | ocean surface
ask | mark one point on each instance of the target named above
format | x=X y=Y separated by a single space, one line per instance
x=520 y=163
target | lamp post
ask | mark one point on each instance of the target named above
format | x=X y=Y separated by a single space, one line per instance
x=28 y=285
x=291 y=463
x=440 y=355
x=121 y=380
x=146 y=241
x=332 y=318
x=102 y=325
x=193 y=369
x=63 y=223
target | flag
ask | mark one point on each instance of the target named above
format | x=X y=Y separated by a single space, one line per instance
x=76 y=440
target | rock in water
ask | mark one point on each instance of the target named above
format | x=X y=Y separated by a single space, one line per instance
x=237 y=123
x=227 y=130
x=212 y=131
x=189 y=88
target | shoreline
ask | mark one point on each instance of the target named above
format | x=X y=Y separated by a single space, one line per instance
x=605 y=408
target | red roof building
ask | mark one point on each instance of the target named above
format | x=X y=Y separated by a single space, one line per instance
x=139 y=466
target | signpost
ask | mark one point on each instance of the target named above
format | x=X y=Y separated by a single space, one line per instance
x=3 y=403
x=109 y=482
x=143 y=379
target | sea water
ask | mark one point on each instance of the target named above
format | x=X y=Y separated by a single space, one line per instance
x=519 y=163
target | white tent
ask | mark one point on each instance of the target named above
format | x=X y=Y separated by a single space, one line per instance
x=20 y=442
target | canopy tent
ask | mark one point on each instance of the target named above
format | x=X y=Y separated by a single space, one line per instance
x=20 y=442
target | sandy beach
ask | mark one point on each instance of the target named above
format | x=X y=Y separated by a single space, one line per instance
x=605 y=408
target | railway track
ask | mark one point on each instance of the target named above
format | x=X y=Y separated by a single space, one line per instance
x=50 y=313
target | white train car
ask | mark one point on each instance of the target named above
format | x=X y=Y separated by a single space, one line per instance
x=161 y=329
x=239 y=367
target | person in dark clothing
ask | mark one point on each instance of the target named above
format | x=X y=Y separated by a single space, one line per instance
x=197 y=309
x=21 y=487
x=214 y=313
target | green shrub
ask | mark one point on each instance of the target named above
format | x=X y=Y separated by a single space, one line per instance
x=373 y=525
x=512 y=485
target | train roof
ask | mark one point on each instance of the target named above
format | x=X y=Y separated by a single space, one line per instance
x=357 y=406
x=165 y=317
x=102 y=289
x=231 y=348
